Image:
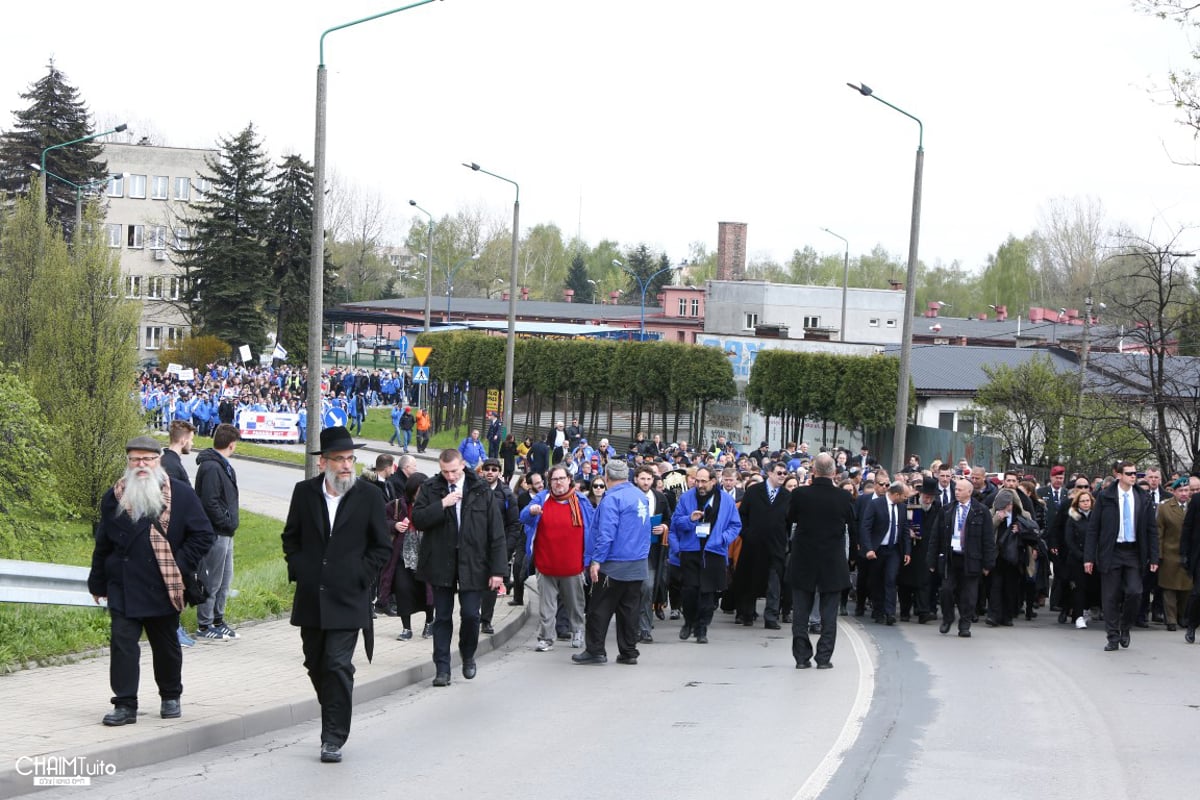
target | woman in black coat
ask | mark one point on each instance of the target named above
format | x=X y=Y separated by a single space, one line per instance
x=1074 y=535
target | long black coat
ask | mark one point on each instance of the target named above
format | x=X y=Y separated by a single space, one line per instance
x=823 y=515
x=979 y=545
x=1189 y=541
x=923 y=525
x=1104 y=526
x=333 y=569
x=764 y=536
x=465 y=556
x=124 y=568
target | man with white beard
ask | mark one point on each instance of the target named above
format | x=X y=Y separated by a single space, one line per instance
x=335 y=540
x=152 y=529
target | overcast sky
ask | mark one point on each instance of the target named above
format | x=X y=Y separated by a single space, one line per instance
x=652 y=120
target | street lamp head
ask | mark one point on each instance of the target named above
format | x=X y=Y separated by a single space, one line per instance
x=943 y=305
x=412 y=202
x=616 y=262
x=471 y=166
x=861 y=88
x=121 y=128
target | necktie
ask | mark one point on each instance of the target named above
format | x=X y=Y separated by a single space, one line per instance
x=891 y=535
x=771 y=495
x=1126 y=518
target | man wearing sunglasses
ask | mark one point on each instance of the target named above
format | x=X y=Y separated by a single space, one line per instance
x=759 y=572
x=514 y=541
x=1122 y=541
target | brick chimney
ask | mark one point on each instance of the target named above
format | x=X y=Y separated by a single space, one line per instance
x=731 y=251
x=568 y=295
x=931 y=308
x=613 y=297
x=1001 y=313
x=524 y=292
x=504 y=295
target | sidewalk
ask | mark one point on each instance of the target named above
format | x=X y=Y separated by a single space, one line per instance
x=232 y=690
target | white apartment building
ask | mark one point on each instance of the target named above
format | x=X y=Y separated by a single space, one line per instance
x=149 y=191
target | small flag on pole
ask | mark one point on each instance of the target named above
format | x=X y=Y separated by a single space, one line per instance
x=279 y=352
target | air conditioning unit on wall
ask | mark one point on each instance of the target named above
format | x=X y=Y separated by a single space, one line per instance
x=160 y=255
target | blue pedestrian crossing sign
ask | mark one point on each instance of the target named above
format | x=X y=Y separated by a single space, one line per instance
x=420 y=375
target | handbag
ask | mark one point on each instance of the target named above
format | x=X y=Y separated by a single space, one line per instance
x=1006 y=546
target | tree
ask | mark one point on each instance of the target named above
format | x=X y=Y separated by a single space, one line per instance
x=55 y=115
x=364 y=273
x=545 y=260
x=289 y=247
x=1010 y=277
x=1182 y=84
x=1069 y=241
x=641 y=262
x=577 y=280
x=227 y=252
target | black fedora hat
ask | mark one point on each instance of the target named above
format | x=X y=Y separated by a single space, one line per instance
x=334 y=440
x=930 y=485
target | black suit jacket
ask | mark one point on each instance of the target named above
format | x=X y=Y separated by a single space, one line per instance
x=1104 y=526
x=462 y=554
x=875 y=524
x=765 y=524
x=979 y=539
x=824 y=516
x=334 y=568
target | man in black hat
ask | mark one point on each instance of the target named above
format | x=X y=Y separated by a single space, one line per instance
x=335 y=540
x=152 y=529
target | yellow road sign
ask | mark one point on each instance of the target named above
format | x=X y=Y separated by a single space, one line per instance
x=421 y=353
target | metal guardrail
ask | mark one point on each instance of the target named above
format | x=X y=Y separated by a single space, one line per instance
x=45 y=584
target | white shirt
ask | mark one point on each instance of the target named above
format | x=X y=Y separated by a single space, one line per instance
x=332 y=501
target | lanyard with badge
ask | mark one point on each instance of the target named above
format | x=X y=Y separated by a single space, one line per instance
x=703 y=529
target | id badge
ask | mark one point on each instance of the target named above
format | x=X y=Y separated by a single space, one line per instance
x=703 y=529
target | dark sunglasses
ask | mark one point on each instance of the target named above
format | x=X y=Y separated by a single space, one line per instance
x=491 y=469
x=599 y=486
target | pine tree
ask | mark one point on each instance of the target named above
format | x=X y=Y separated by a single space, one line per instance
x=577 y=279
x=55 y=115
x=289 y=244
x=227 y=255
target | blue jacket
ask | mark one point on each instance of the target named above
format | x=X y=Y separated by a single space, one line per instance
x=725 y=529
x=472 y=452
x=622 y=530
x=531 y=522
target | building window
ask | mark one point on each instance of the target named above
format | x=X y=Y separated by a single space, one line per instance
x=946 y=420
x=133 y=287
x=682 y=335
x=158 y=237
x=136 y=237
x=812 y=322
x=751 y=320
x=174 y=337
x=891 y=323
x=116 y=185
x=682 y=306
x=695 y=306
x=183 y=189
x=176 y=288
x=154 y=287
x=966 y=425
x=137 y=186
x=873 y=322
x=181 y=239
x=109 y=290
x=158 y=187
x=114 y=234
x=153 y=337
x=201 y=187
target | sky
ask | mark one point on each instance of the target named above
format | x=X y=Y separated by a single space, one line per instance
x=653 y=120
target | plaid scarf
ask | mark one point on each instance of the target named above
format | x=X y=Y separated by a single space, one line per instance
x=171 y=576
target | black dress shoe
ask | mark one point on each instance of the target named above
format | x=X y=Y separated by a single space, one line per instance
x=787 y=616
x=771 y=625
x=629 y=660
x=905 y=617
x=516 y=602
x=842 y=611
x=748 y=622
x=1062 y=618
x=645 y=638
x=701 y=638
x=1124 y=639
x=330 y=753
x=1172 y=627
x=825 y=665
x=891 y=620
x=944 y=627
x=1141 y=624
x=1111 y=647
x=1189 y=635
x=923 y=618
x=469 y=670
x=803 y=664
x=685 y=632
x=442 y=679
x=587 y=658
x=170 y=709
x=120 y=715
x=964 y=634
x=487 y=628
x=659 y=613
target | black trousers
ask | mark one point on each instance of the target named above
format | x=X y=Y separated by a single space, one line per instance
x=328 y=658
x=778 y=591
x=802 y=605
x=443 y=625
x=623 y=598
x=125 y=660
x=913 y=599
x=862 y=586
x=959 y=591
x=883 y=580
x=698 y=608
x=487 y=606
x=1121 y=591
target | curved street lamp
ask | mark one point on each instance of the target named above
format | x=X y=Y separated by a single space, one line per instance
x=644 y=285
x=428 y=264
x=510 y=342
x=316 y=272
x=79 y=188
x=118 y=129
x=910 y=284
x=845 y=280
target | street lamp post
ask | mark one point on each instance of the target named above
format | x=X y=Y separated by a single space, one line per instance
x=510 y=344
x=117 y=129
x=644 y=286
x=428 y=263
x=79 y=188
x=910 y=283
x=316 y=273
x=450 y=273
x=845 y=280
x=595 y=290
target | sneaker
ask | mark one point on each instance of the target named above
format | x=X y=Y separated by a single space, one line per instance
x=427 y=631
x=1080 y=623
x=674 y=614
x=229 y=632
x=544 y=645
x=184 y=639
x=577 y=639
x=210 y=635
x=405 y=635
